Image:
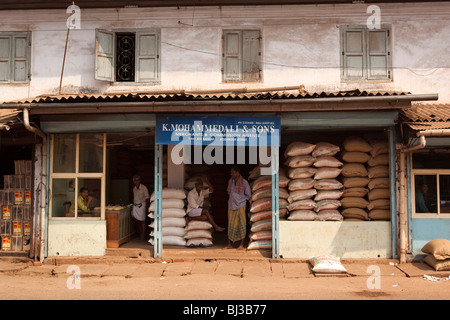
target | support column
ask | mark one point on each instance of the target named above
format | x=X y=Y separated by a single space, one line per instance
x=157 y=247
x=275 y=203
x=392 y=164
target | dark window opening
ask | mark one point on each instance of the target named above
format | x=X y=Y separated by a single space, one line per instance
x=125 y=56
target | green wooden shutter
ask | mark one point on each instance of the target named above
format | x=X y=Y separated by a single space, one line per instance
x=147 y=56
x=353 y=59
x=251 y=55
x=378 y=55
x=232 y=55
x=5 y=58
x=20 y=58
x=104 y=55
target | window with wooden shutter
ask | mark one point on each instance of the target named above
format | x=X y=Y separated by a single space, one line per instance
x=147 y=57
x=241 y=55
x=140 y=51
x=15 y=58
x=104 y=55
x=365 y=54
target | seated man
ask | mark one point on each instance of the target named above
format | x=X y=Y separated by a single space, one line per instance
x=196 y=209
x=83 y=201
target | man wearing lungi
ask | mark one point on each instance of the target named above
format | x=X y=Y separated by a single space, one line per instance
x=141 y=202
x=196 y=209
x=239 y=192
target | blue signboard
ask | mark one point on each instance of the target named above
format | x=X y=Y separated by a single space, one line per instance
x=218 y=130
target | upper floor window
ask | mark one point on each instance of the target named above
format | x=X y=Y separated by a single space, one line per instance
x=128 y=56
x=365 y=54
x=241 y=56
x=15 y=57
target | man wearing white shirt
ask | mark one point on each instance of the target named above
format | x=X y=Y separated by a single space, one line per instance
x=141 y=202
x=196 y=209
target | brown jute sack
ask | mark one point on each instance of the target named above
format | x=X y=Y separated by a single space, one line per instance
x=439 y=248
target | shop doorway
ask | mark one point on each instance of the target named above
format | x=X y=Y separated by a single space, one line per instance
x=16 y=201
x=219 y=175
x=128 y=154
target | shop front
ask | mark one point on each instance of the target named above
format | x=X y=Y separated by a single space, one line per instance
x=339 y=200
x=98 y=156
x=19 y=150
x=428 y=174
x=349 y=207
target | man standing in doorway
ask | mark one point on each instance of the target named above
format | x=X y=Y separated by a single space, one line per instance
x=141 y=202
x=239 y=192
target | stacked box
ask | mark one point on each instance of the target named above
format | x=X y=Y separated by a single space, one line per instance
x=15 y=202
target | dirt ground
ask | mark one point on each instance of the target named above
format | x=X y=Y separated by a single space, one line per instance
x=195 y=280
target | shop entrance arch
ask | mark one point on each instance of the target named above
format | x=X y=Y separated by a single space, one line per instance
x=261 y=134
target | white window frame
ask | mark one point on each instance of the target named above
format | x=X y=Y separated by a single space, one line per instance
x=78 y=175
x=240 y=79
x=366 y=54
x=137 y=32
x=428 y=172
x=12 y=36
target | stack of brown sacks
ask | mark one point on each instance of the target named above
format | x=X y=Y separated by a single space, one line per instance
x=379 y=186
x=329 y=189
x=312 y=170
x=261 y=207
x=438 y=257
x=355 y=178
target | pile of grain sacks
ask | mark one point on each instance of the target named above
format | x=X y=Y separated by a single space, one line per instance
x=355 y=156
x=198 y=233
x=314 y=190
x=379 y=186
x=261 y=207
x=173 y=221
x=366 y=179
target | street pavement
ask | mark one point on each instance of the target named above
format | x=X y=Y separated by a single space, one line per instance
x=120 y=278
x=282 y=268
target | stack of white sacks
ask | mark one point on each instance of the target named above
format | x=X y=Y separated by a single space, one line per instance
x=173 y=216
x=261 y=207
x=379 y=186
x=314 y=191
x=198 y=233
x=355 y=156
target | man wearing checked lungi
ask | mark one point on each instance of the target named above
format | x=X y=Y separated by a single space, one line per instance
x=239 y=192
x=141 y=202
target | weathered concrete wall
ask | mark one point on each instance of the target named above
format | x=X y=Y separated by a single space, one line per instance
x=346 y=239
x=76 y=238
x=300 y=46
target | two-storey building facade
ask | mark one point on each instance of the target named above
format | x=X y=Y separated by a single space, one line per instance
x=327 y=73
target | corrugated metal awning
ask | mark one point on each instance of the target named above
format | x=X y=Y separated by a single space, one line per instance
x=222 y=95
x=274 y=100
x=423 y=116
x=9 y=117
